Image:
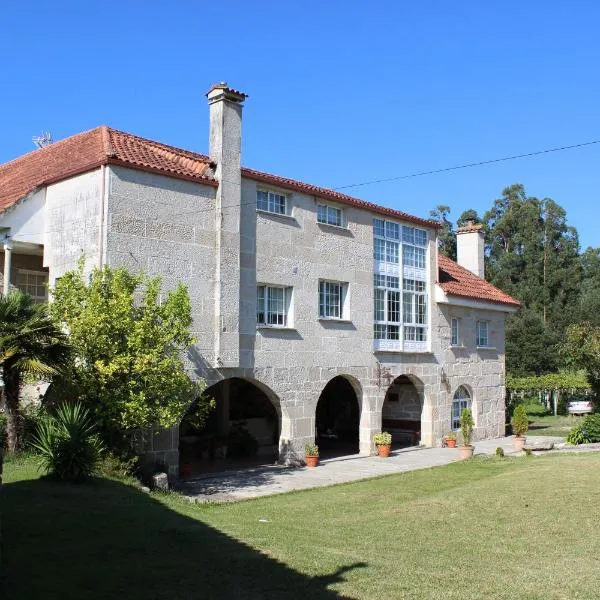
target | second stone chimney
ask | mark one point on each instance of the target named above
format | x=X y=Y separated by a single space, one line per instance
x=470 y=248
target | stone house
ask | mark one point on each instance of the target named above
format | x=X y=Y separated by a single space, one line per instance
x=316 y=313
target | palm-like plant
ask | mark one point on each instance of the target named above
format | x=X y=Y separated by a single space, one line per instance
x=30 y=343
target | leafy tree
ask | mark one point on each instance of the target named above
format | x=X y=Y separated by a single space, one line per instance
x=446 y=235
x=128 y=339
x=531 y=345
x=30 y=344
x=588 y=308
x=581 y=348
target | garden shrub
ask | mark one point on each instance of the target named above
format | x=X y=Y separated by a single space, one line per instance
x=466 y=426
x=499 y=452
x=520 y=421
x=591 y=426
x=66 y=441
x=577 y=436
x=115 y=466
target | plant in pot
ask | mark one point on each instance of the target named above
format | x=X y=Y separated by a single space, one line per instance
x=383 y=441
x=520 y=425
x=311 y=455
x=450 y=439
x=466 y=429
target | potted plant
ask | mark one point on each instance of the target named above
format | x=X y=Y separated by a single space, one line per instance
x=311 y=455
x=466 y=429
x=450 y=439
x=383 y=441
x=520 y=425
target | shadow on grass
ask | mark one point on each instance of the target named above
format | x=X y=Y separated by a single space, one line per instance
x=109 y=540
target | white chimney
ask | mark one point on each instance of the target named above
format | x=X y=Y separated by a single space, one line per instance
x=470 y=248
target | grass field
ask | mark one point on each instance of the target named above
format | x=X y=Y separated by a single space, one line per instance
x=541 y=423
x=519 y=528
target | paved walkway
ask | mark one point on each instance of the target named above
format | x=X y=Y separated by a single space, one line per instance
x=266 y=481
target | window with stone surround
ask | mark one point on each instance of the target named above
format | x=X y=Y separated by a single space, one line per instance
x=329 y=215
x=272 y=202
x=273 y=305
x=401 y=319
x=454 y=334
x=34 y=283
x=482 y=334
x=461 y=400
x=333 y=300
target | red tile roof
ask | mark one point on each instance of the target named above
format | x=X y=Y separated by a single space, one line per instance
x=103 y=145
x=89 y=150
x=458 y=281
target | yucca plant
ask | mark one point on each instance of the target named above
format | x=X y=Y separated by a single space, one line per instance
x=67 y=443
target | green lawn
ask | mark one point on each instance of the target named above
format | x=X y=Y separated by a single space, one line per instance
x=519 y=528
x=541 y=423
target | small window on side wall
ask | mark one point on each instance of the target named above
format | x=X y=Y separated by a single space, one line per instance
x=482 y=334
x=454 y=335
x=273 y=305
x=329 y=215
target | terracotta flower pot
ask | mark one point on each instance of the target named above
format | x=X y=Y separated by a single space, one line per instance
x=311 y=461
x=519 y=442
x=451 y=443
x=466 y=452
x=384 y=450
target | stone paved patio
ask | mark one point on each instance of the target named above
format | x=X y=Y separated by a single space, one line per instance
x=266 y=481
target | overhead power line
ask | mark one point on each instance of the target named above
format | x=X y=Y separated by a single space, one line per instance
x=468 y=165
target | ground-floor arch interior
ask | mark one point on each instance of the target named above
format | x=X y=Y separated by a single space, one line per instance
x=402 y=412
x=241 y=431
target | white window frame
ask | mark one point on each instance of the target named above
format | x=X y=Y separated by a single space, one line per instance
x=461 y=399
x=273 y=203
x=454 y=331
x=27 y=272
x=327 y=287
x=273 y=318
x=401 y=250
x=330 y=209
x=481 y=325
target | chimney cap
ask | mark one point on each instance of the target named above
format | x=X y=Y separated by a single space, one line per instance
x=470 y=227
x=226 y=91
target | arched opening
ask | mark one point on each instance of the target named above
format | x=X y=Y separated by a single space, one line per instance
x=241 y=432
x=402 y=412
x=337 y=419
x=461 y=400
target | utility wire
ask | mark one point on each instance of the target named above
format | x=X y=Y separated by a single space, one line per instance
x=468 y=165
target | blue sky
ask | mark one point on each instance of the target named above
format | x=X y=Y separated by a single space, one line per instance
x=340 y=92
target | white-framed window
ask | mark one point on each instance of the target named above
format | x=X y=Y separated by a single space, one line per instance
x=333 y=300
x=400 y=311
x=329 y=215
x=273 y=305
x=482 y=334
x=272 y=202
x=454 y=335
x=461 y=400
x=34 y=283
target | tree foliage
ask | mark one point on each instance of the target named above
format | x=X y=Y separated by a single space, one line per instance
x=446 y=234
x=581 y=347
x=30 y=344
x=128 y=338
x=575 y=380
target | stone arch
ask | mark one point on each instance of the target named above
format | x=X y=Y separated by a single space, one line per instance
x=337 y=416
x=243 y=430
x=404 y=410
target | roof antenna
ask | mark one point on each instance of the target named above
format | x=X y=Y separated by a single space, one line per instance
x=42 y=140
